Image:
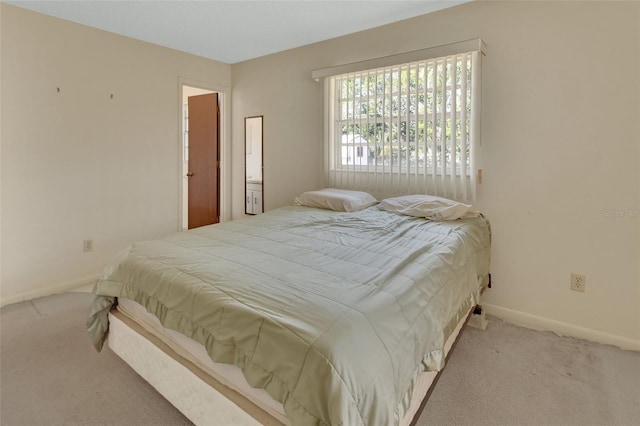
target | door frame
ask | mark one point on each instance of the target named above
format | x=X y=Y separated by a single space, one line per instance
x=224 y=96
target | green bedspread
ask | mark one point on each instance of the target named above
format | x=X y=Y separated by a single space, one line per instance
x=331 y=313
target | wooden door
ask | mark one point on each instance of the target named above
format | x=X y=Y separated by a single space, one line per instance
x=204 y=164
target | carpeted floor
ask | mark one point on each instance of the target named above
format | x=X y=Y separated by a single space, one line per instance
x=508 y=375
x=505 y=375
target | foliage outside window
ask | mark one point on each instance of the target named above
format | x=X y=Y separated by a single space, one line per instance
x=410 y=122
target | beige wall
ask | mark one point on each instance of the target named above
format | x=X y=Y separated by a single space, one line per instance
x=78 y=164
x=561 y=139
x=291 y=103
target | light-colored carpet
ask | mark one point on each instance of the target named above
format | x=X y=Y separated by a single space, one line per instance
x=508 y=375
x=51 y=375
x=505 y=375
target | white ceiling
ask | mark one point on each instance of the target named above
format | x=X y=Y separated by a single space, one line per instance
x=234 y=30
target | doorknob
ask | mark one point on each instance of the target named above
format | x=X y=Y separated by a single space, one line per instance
x=189 y=174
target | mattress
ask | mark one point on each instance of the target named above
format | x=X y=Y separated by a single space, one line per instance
x=332 y=314
x=206 y=392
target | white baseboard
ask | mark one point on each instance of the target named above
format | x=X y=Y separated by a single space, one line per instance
x=80 y=284
x=544 y=324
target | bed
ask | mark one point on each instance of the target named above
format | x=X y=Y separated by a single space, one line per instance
x=301 y=315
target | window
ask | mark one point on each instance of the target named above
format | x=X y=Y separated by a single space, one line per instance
x=405 y=128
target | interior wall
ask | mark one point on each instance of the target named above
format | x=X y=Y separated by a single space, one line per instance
x=291 y=104
x=560 y=135
x=97 y=159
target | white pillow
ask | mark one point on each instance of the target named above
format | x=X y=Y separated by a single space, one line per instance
x=428 y=206
x=340 y=200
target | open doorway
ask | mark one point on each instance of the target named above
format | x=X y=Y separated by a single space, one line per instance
x=200 y=149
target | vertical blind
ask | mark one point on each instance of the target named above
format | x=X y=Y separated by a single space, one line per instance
x=406 y=128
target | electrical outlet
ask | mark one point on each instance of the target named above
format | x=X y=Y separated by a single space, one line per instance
x=578 y=282
x=87 y=246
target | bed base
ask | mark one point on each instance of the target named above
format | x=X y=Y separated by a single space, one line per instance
x=478 y=319
x=206 y=401
x=200 y=397
x=466 y=321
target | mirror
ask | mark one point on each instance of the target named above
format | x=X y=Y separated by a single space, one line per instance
x=253 y=165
